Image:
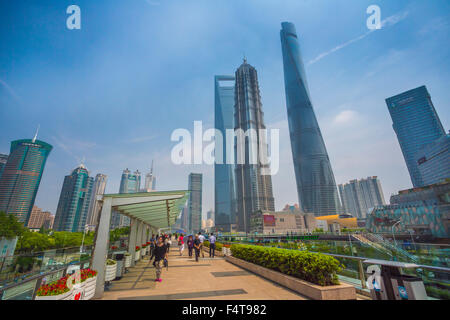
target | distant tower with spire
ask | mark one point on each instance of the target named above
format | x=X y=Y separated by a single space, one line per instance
x=150 y=181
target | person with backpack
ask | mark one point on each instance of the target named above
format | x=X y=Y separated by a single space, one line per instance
x=160 y=255
x=190 y=245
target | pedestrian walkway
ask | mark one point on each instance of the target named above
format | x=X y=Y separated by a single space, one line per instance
x=208 y=279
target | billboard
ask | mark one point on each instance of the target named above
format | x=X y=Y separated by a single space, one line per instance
x=269 y=220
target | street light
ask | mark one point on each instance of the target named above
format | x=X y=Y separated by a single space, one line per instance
x=395 y=241
x=82 y=241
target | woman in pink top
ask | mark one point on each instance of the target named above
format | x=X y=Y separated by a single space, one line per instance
x=181 y=244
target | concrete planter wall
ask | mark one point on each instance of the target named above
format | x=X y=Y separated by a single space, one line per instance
x=128 y=261
x=89 y=288
x=137 y=256
x=110 y=272
x=310 y=290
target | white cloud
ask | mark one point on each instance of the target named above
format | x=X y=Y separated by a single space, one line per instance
x=345 y=117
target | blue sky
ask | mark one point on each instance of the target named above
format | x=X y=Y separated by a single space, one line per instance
x=114 y=91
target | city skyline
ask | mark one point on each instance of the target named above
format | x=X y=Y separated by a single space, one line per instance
x=409 y=49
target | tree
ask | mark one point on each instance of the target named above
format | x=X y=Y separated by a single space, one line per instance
x=10 y=227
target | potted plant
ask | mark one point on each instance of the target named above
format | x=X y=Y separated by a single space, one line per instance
x=57 y=290
x=114 y=248
x=89 y=281
x=111 y=268
x=127 y=260
x=144 y=250
x=138 y=253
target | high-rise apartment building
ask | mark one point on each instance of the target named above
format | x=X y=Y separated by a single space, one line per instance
x=72 y=211
x=224 y=184
x=416 y=124
x=316 y=186
x=21 y=176
x=358 y=196
x=94 y=206
x=253 y=179
x=195 y=202
x=433 y=161
x=39 y=219
x=3 y=161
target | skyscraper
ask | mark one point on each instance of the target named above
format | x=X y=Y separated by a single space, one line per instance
x=39 y=219
x=73 y=205
x=224 y=185
x=3 y=161
x=358 y=196
x=316 y=186
x=434 y=161
x=94 y=206
x=253 y=188
x=150 y=181
x=129 y=183
x=416 y=124
x=21 y=176
x=195 y=202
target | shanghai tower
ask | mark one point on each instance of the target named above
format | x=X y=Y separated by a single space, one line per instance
x=316 y=186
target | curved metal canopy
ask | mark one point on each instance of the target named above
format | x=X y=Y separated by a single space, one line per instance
x=158 y=209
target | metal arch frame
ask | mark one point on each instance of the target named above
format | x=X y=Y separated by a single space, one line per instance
x=153 y=210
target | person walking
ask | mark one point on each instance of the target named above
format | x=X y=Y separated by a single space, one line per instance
x=212 y=245
x=190 y=245
x=168 y=244
x=201 y=238
x=152 y=247
x=181 y=244
x=160 y=255
x=197 y=247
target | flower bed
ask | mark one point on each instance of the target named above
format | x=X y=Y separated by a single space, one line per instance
x=57 y=290
x=312 y=267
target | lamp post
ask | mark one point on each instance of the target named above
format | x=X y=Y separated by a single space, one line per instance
x=82 y=241
x=395 y=241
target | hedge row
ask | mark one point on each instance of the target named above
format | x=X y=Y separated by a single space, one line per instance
x=312 y=267
x=218 y=245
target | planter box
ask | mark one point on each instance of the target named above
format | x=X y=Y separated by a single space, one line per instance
x=110 y=272
x=89 y=288
x=310 y=290
x=127 y=261
x=64 y=296
x=137 y=256
x=143 y=252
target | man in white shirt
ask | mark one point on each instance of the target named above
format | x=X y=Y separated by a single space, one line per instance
x=201 y=238
x=212 y=245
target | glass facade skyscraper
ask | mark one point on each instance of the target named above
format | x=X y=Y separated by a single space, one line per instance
x=21 y=177
x=224 y=185
x=73 y=206
x=434 y=161
x=129 y=183
x=3 y=161
x=195 y=202
x=253 y=188
x=316 y=186
x=416 y=124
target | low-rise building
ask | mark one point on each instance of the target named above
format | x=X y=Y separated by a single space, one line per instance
x=281 y=222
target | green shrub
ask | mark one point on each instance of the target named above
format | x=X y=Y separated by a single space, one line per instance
x=219 y=246
x=312 y=267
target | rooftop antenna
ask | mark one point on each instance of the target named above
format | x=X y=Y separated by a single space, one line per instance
x=35 y=136
x=245 y=59
x=151 y=169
